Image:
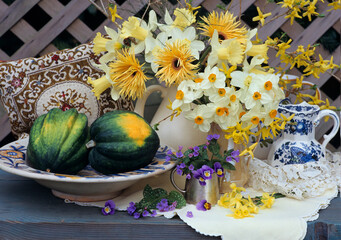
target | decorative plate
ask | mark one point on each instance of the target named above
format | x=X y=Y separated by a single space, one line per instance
x=87 y=185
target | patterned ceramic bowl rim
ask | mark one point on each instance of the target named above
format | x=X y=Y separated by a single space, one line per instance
x=12 y=160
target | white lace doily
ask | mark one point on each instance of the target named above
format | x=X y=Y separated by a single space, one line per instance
x=298 y=181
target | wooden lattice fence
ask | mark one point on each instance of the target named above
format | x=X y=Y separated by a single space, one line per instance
x=36 y=27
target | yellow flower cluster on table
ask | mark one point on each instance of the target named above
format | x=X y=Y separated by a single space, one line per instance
x=243 y=207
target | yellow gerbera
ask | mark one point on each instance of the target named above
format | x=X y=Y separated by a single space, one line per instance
x=226 y=25
x=175 y=63
x=127 y=75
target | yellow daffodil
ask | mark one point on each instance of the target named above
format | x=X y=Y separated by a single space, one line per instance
x=224 y=201
x=132 y=28
x=99 y=43
x=261 y=50
x=261 y=17
x=267 y=200
x=99 y=85
x=114 y=14
x=184 y=18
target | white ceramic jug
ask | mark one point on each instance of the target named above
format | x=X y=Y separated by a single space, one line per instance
x=179 y=131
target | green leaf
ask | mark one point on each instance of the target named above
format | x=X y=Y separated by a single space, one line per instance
x=178 y=197
x=149 y=193
x=228 y=166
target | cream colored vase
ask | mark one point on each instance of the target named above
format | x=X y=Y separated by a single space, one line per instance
x=179 y=131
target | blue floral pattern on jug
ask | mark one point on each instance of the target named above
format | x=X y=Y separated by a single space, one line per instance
x=298 y=153
x=299 y=127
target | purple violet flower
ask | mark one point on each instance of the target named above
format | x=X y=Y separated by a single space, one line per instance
x=191 y=167
x=195 y=154
x=218 y=169
x=180 y=148
x=216 y=136
x=235 y=153
x=189 y=214
x=153 y=214
x=169 y=152
x=182 y=165
x=179 y=154
x=145 y=213
x=168 y=158
x=137 y=215
x=196 y=149
x=209 y=137
x=188 y=176
x=190 y=155
x=164 y=202
x=131 y=209
x=204 y=147
x=198 y=174
x=207 y=172
x=178 y=170
x=237 y=159
x=109 y=208
x=228 y=159
x=203 y=205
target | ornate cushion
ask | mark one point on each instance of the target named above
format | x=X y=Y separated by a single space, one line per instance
x=32 y=86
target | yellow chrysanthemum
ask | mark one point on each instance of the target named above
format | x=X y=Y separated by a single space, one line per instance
x=226 y=25
x=128 y=76
x=175 y=63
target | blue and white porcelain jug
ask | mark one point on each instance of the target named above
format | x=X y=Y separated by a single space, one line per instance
x=298 y=145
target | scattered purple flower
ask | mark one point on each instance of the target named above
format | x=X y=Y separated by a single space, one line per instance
x=153 y=214
x=169 y=152
x=190 y=155
x=188 y=176
x=145 y=213
x=189 y=214
x=203 y=205
x=137 y=215
x=191 y=167
x=195 y=154
x=237 y=159
x=228 y=159
x=196 y=149
x=168 y=158
x=180 y=148
x=109 y=208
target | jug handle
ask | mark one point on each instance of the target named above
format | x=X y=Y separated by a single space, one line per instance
x=333 y=115
x=173 y=182
x=140 y=103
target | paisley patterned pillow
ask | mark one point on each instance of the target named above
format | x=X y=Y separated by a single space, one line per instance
x=32 y=86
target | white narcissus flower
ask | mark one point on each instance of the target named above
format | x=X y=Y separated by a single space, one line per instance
x=253 y=116
x=186 y=93
x=223 y=114
x=158 y=44
x=212 y=77
x=201 y=116
x=242 y=80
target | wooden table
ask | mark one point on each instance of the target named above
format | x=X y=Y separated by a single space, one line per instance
x=30 y=211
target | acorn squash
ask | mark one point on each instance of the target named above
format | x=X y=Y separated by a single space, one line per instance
x=57 y=142
x=123 y=141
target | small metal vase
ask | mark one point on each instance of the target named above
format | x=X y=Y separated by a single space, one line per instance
x=194 y=192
